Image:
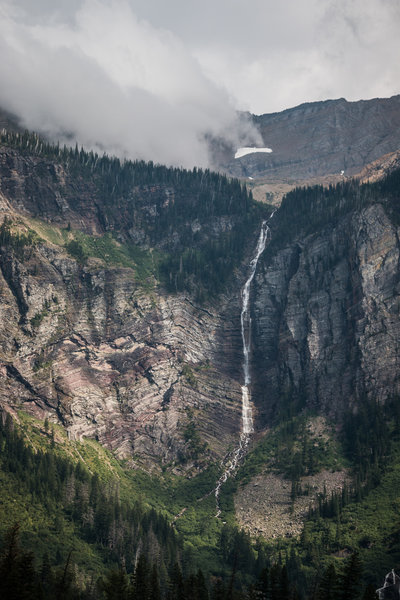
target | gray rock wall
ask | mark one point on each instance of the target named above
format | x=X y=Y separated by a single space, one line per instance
x=326 y=317
x=91 y=348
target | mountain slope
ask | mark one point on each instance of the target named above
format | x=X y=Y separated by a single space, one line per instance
x=91 y=338
x=120 y=287
x=319 y=140
x=327 y=299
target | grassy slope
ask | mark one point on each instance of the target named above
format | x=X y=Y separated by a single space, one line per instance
x=46 y=528
x=370 y=527
x=105 y=248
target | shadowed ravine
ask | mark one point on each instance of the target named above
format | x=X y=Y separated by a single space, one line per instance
x=233 y=459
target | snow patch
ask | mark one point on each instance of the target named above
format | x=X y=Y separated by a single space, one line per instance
x=240 y=152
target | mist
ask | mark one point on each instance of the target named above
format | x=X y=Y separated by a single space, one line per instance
x=112 y=82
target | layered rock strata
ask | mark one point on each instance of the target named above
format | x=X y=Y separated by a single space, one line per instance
x=326 y=317
x=90 y=347
x=320 y=138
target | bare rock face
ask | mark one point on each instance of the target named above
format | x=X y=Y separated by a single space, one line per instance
x=156 y=377
x=380 y=167
x=326 y=324
x=152 y=376
x=320 y=138
x=91 y=348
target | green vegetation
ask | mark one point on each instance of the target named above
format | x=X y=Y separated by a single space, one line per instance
x=18 y=236
x=188 y=374
x=77 y=496
x=114 y=531
x=16 y=240
x=39 y=316
x=201 y=222
x=290 y=449
x=306 y=210
x=112 y=253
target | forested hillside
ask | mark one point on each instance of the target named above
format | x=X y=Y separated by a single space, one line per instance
x=121 y=371
x=199 y=220
x=79 y=528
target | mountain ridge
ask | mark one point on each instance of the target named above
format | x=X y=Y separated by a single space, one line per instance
x=121 y=322
x=332 y=138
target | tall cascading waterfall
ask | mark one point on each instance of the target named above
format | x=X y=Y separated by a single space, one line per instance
x=245 y=325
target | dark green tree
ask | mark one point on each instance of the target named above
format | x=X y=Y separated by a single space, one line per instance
x=18 y=579
x=218 y=591
x=155 y=593
x=115 y=585
x=350 y=582
x=141 y=580
x=328 y=586
x=176 y=584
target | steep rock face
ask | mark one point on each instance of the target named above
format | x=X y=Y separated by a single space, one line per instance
x=326 y=317
x=98 y=348
x=88 y=346
x=318 y=138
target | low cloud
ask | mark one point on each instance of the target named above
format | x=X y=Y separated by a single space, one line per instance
x=115 y=83
x=305 y=50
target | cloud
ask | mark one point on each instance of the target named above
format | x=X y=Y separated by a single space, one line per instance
x=113 y=82
x=151 y=79
x=308 y=50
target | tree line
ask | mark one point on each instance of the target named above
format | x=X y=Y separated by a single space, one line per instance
x=306 y=210
x=201 y=221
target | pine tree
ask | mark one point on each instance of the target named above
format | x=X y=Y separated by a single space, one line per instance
x=350 y=584
x=176 y=585
x=284 y=591
x=18 y=579
x=115 y=585
x=47 y=579
x=201 y=588
x=263 y=584
x=218 y=591
x=155 y=593
x=370 y=593
x=275 y=581
x=328 y=586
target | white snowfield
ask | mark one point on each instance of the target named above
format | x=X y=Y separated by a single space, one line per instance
x=243 y=151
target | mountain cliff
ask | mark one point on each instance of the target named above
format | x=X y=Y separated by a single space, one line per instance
x=114 y=340
x=92 y=336
x=326 y=299
x=120 y=324
x=331 y=139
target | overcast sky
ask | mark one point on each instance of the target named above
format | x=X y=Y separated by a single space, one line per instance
x=152 y=78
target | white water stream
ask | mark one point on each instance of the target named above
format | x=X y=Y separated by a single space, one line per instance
x=245 y=325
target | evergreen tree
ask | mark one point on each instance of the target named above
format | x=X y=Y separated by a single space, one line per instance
x=201 y=591
x=155 y=593
x=47 y=579
x=141 y=580
x=275 y=582
x=218 y=591
x=350 y=582
x=328 y=586
x=284 y=591
x=370 y=593
x=18 y=579
x=263 y=582
x=176 y=584
x=115 y=585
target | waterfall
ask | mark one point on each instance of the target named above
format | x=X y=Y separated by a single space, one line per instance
x=391 y=587
x=245 y=326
